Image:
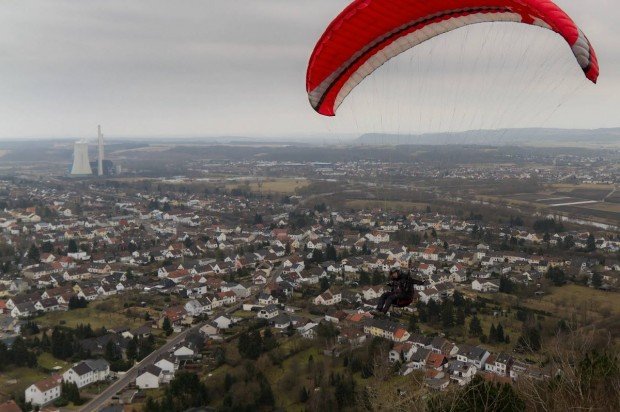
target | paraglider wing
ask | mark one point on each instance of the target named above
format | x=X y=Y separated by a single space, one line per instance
x=368 y=33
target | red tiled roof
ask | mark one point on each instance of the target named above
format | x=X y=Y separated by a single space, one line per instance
x=49 y=383
x=9 y=406
x=400 y=333
x=435 y=360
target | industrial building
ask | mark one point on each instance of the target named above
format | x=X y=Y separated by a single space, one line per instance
x=82 y=166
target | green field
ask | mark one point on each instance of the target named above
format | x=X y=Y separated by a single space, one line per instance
x=101 y=314
x=387 y=205
x=574 y=298
x=16 y=380
x=277 y=186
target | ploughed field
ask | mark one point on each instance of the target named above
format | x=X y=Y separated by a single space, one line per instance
x=595 y=202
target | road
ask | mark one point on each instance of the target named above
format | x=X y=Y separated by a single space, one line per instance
x=104 y=397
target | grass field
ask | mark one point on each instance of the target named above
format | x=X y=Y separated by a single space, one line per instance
x=604 y=207
x=16 y=380
x=564 y=186
x=388 y=205
x=279 y=186
x=580 y=297
x=93 y=315
x=47 y=361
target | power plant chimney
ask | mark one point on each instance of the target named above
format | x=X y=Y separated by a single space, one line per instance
x=81 y=164
x=100 y=155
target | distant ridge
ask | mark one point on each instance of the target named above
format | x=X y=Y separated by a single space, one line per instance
x=502 y=137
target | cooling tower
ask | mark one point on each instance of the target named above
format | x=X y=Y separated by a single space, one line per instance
x=81 y=165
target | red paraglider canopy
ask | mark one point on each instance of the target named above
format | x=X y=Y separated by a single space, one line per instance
x=368 y=33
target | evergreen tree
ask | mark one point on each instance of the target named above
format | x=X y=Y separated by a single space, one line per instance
x=112 y=352
x=324 y=284
x=47 y=247
x=413 y=324
x=458 y=299
x=597 y=280
x=167 y=326
x=33 y=253
x=530 y=340
x=506 y=285
x=475 y=328
x=434 y=311
x=492 y=334
x=591 y=243
x=499 y=334
x=132 y=349
x=364 y=278
x=447 y=314
x=557 y=276
x=304 y=395
x=228 y=381
x=377 y=278
x=460 y=317
x=73 y=246
x=330 y=253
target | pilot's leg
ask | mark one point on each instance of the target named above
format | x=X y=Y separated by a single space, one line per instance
x=389 y=301
x=382 y=300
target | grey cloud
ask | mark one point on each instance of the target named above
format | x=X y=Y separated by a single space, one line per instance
x=207 y=67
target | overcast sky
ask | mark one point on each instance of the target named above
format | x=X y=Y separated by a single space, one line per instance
x=210 y=67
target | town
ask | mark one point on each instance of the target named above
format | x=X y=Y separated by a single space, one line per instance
x=258 y=280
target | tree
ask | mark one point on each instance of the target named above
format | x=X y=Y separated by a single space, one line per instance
x=324 y=284
x=479 y=395
x=76 y=302
x=186 y=391
x=330 y=253
x=568 y=242
x=377 y=278
x=591 y=243
x=112 y=352
x=475 y=328
x=492 y=333
x=597 y=280
x=317 y=256
x=506 y=285
x=413 y=324
x=364 y=278
x=434 y=311
x=557 y=276
x=73 y=246
x=447 y=314
x=530 y=340
x=33 y=253
x=460 y=317
x=132 y=349
x=167 y=326
x=71 y=393
x=499 y=333
x=304 y=395
x=250 y=345
x=458 y=299
x=47 y=247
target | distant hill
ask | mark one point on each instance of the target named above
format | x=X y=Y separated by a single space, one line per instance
x=502 y=137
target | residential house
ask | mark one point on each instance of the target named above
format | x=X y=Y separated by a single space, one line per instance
x=328 y=298
x=149 y=377
x=45 y=391
x=86 y=372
